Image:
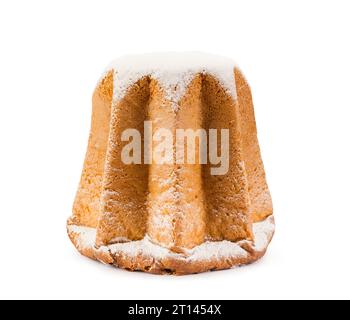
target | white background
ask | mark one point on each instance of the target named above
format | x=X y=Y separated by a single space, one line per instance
x=295 y=54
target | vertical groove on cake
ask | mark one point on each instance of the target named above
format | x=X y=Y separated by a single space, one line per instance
x=190 y=215
x=227 y=197
x=162 y=197
x=125 y=186
x=86 y=207
x=261 y=203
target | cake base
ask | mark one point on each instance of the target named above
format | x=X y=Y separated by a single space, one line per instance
x=146 y=256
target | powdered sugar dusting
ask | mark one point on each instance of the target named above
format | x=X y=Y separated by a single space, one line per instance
x=144 y=247
x=263 y=232
x=173 y=71
x=216 y=249
x=86 y=236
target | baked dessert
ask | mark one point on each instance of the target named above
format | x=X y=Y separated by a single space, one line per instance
x=173 y=180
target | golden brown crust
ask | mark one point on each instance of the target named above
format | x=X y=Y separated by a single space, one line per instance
x=227 y=197
x=124 y=187
x=259 y=194
x=86 y=207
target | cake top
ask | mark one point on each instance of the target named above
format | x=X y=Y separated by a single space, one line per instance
x=173 y=70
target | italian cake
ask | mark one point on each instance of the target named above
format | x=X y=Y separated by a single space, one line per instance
x=149 y=204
